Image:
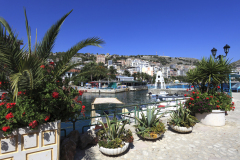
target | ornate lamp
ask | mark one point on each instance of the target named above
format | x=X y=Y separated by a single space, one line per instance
x=214 y=51
x=226 y=49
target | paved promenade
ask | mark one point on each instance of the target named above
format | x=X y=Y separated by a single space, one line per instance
x=205 y=142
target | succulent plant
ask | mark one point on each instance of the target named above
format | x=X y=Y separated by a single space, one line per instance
x=182 y=118
x=114 y=134
x=150 y=126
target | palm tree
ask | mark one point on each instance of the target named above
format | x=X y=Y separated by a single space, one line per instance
x=23 y=65
x=211 y=72
x=112 y=71
x=126 y=73
x=134 y=75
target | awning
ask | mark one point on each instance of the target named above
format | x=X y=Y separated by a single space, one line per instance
x=106 y=101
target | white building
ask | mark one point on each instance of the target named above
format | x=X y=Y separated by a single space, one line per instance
x=76 y=59
x=110 y=62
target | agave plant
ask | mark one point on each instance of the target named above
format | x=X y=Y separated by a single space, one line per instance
x=113 y=135
x=182 y=118
x=114 y=128
x=23 y=65
x=150 y=126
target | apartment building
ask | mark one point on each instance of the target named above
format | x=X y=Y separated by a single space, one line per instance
x=123 y=62
x=128 y=62
x=100 y=58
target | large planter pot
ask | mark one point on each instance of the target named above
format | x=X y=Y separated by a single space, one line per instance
x=181 y=129
x=40 y=144
x=214 y=118
x=115 y=151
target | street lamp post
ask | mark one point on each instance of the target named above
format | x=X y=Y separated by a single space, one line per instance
x=226 y=50
x=214 y=51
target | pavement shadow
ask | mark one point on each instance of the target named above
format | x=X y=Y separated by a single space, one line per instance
x=86 y=153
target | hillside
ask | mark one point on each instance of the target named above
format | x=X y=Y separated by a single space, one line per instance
x=236 y=63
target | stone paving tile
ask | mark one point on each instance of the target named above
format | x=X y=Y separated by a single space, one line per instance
x=205 y=142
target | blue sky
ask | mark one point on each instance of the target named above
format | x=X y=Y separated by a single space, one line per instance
x=179 y=28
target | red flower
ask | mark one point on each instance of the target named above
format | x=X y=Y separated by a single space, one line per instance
x=211 y=96
x=187 y=89
x=23 y=113
x=185 y=95
x=232 y=103
x=47 y=118
x=190 y=103
x=57 y=81
x=10 y=105
x=233 y=107
x=218 y=106
x=230 y=107
x=193 y=92
x=52 y=63
x=217 y=100
x=2 y=103
x=9 y=115
x=83 y=107
x=207 y=98
x=218 y=87
x=4 y=95
x=42 y=66
x=197 y=97
x=33 y=124
x=5 y=128
x=191 y=99
x=80 y=93
x=19 y=93
x=80 y=102
x=55 y=94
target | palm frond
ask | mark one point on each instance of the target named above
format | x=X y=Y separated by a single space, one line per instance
x=61 y=65
x=28 y=32
x=44 y=48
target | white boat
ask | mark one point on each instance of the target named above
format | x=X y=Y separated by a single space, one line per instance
x=163 y=93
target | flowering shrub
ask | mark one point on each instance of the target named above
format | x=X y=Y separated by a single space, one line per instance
x=49 y=101
x=206 y=102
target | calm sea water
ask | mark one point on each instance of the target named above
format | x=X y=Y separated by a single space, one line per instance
x=128 y=98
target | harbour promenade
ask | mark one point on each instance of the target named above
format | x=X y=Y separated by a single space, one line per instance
x=205 y=142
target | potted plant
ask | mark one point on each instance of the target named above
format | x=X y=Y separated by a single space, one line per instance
x=209 y=108
x=37 y=97
x=208 y=104
x=181 y=120
x=150 y=127
x=113 y=139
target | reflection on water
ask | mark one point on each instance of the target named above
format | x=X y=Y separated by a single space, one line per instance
x=128 y=98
